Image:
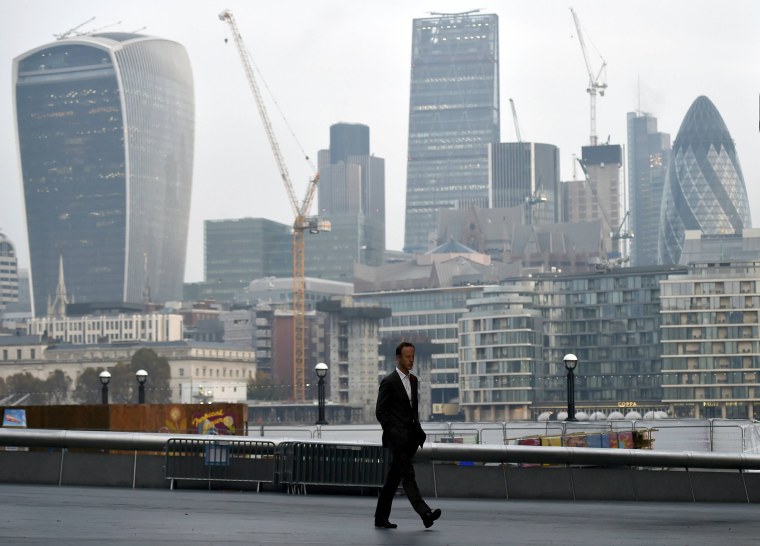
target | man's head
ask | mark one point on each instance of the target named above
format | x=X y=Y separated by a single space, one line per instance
x=405 y=356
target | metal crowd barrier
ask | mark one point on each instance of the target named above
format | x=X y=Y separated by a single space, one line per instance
x=220 y=459
x=312 y=463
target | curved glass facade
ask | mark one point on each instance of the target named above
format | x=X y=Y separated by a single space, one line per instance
x=704 y=189
x=106 y=133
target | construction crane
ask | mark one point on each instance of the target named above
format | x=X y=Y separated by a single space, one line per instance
x=302 y=221
x=595 y=80
x=514 y=117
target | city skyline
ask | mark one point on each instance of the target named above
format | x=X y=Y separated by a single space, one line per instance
x=660 y=57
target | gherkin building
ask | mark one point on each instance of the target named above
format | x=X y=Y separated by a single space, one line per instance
x=704 y=189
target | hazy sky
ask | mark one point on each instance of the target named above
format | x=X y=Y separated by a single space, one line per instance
x=327 y=61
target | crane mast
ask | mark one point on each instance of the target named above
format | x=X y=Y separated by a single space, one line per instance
x=595 y=83
x=514 y=117
x=301 y=223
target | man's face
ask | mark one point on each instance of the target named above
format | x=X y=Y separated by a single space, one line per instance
x=406 y=359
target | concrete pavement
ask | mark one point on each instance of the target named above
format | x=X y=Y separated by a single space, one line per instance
x=47 y=515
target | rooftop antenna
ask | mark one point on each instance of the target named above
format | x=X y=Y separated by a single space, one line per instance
x=71 y=31
x=93 y=31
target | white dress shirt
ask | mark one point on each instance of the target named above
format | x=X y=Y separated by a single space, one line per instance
x=407 y=384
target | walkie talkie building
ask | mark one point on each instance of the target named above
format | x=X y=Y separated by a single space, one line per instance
x=105 y=127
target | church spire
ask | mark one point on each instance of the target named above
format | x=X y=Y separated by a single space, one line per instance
x=58 y=308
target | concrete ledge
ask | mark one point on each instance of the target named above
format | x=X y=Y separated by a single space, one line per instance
x=536 y=482
x=488 y=482
x=667 y=485
x=491 y=481
x=603 y=484
x=38 y=468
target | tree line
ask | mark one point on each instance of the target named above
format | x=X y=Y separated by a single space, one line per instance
x=122 y=388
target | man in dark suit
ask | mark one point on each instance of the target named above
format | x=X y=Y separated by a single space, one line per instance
x=397 y=412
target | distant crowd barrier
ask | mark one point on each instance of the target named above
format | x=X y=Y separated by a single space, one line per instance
x=223 y=458
x=311 y=463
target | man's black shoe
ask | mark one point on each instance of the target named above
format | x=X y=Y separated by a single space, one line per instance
x=385 y=524
x=430 y=516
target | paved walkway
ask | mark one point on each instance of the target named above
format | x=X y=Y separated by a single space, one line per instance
x=43 y=515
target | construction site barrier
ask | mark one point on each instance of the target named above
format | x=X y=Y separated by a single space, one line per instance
x=223 y=459
x=313 y=463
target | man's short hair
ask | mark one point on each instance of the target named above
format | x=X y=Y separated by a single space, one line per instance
x=400 y=347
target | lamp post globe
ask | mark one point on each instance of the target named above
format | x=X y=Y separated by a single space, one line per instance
x=141 y=376
x=105 y=379
x=321 y=371
x=570 y=361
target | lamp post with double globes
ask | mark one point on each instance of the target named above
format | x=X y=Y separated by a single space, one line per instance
x=105 y=379
x=570 y=361
x=141 y=376
x=321 y=370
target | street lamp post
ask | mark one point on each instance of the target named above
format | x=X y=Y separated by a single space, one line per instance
x=105 y=379
x=141 y=376
x=321 y=370
x=570 y=361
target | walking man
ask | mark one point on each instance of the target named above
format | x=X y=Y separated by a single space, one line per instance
x=397 y=412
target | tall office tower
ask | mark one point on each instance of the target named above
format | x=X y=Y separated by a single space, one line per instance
x=348 y=139
x=704 y=189
x=351 y=180
x=105 y=128
x=453 y=117
x=648 y=158
x=525 y=174
x=240 y=250
x=597 y=197
x=8 y=273
x=351 y=196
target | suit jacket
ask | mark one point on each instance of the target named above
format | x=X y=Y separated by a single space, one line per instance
x=399 y=419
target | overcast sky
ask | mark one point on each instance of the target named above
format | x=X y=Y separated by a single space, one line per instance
x=327 y=61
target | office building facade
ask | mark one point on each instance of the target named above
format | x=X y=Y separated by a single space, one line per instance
x=351 y=195
x=9 y=282
x=237 y=251
x=453 y=118
x=648 y=159
x=705 y=188
x=500 y=347
x=711 y=340
x=600 y=195
x=105 y=127
x=525 y=174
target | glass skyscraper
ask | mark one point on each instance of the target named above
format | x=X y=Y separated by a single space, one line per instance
x=704 y=189
x=453 y=117
x=105 y=130
x=648 y=158
x=526 y=174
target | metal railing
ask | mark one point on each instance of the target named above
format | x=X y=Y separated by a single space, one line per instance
x=439 y=451
x=719 y=435
x=296 y=465
x=322 y=463
x=222 y=459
